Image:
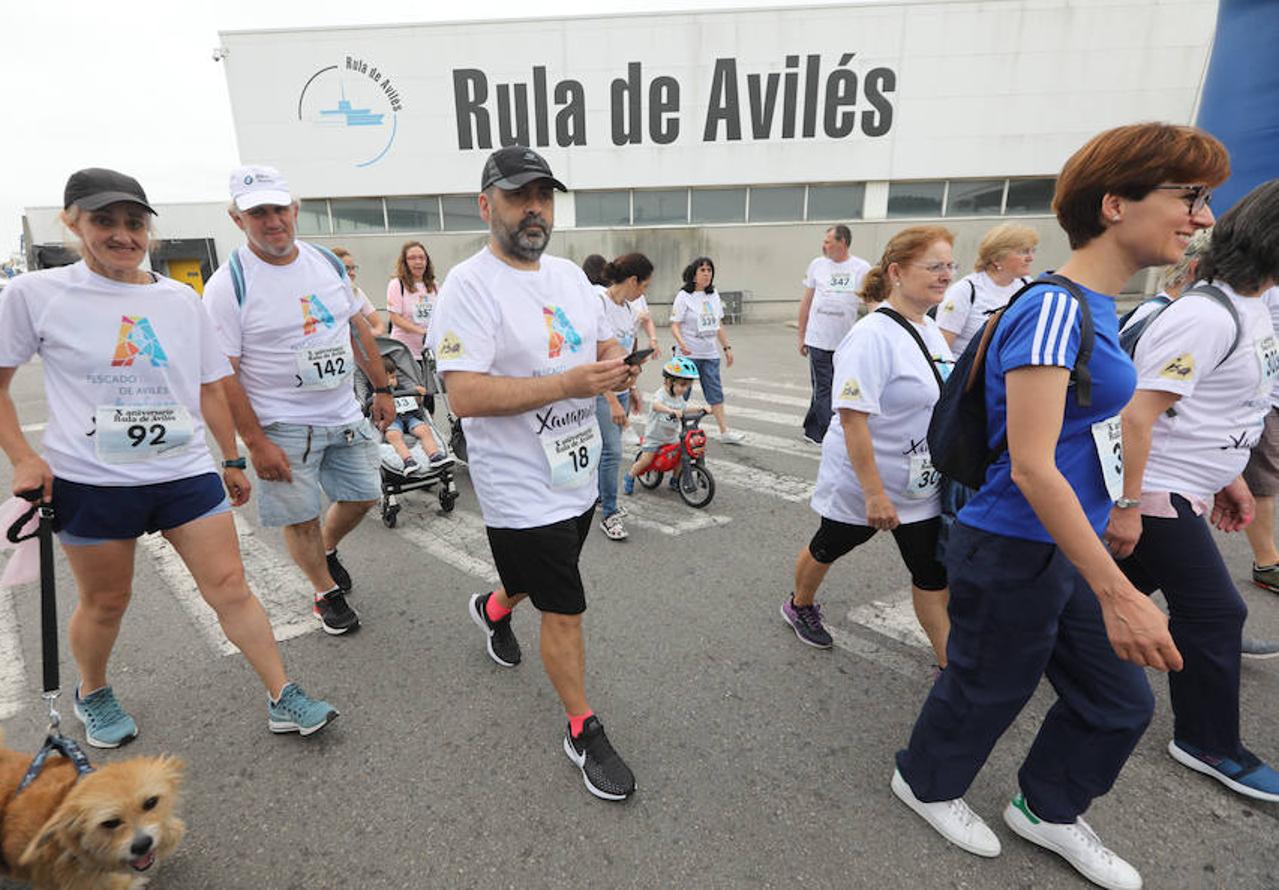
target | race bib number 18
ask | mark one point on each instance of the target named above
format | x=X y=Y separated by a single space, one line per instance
x=125 y=435
x=324 y=367
x=573 y=456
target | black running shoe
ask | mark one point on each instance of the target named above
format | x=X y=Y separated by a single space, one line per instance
x=334 y=614
x=605 y=773
x=341 y=577
x=502 y=645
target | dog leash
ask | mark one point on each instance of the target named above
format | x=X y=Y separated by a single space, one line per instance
x=54 y=741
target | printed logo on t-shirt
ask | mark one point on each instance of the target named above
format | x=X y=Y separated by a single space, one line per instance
x=851 y=389
x=949 y=306
x=560 y=332
x=314 y=313
x=451 y=346
x=1180 y=368
x=137 y=338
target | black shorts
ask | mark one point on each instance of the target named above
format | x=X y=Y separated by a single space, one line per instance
x=542 y=562
x=917 y=542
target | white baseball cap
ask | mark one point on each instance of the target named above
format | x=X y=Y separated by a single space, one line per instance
x=255 y=185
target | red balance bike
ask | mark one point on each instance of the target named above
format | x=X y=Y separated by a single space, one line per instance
x=686 y=461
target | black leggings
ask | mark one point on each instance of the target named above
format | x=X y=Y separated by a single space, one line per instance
x=917 y=542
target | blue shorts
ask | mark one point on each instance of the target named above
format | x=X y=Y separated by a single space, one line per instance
x=405 y=423
x=85 y=515
x=341 y=461
x=708 y=377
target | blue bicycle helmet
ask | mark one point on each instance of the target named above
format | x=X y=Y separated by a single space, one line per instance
x=681 y=367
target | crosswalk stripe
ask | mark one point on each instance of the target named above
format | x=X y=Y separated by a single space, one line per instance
x=279 y=584
x=13 y=669
x=757 y=395
x=894 y=619
x=455 y=538
x=670 y=517
x=777 y=444
x=788 y=488
x=741 y=412
x=776 y=384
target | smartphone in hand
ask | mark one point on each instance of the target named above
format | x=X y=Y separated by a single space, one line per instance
x=638 y=356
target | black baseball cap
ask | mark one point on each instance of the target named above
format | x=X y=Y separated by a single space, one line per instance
x=515 y=167
x=95 y=187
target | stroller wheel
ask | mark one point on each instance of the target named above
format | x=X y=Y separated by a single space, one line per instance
x=390 y=515
x=447 y=499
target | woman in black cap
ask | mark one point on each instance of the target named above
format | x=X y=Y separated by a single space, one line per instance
x=132 y=371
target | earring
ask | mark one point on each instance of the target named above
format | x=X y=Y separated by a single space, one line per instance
x=998 y=268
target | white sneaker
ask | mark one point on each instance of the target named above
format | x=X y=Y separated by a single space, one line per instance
x=1077 y=843
x=952 y=819
x=732 y=437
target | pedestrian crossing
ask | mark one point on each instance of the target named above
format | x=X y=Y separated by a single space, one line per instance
x=762 y=410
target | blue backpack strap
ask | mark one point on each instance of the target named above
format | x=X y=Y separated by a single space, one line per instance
x=333 y=259
x=237 y=276
x=1161 y=299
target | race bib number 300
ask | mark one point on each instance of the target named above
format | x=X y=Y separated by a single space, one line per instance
x=1268 y=359
x=573 y=456
x=324 y=367
x=1109 y=438
x=125 y=435
x=924 y=479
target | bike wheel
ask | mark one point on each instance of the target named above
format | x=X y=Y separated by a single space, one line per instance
x=697 y=486
x=649 y=479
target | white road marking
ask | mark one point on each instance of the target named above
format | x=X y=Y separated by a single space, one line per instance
x=776 y=384
x=788 y=488
x=764 y=442
x=663 y=511
x=279 y=584
x=741 y=412
x=894 y=619
x=456 y=538
x=871 y=651
x=14 y=693
x=761 y=396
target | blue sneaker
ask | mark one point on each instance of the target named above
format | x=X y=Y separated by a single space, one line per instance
x=298 y=712
x=106 y=725
x=1247 y=775
x=628 y=484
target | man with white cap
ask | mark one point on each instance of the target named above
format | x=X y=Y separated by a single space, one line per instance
x=293 y=330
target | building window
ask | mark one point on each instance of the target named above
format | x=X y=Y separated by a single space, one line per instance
x=836 y=202
x=915 y=199
x=413 y=214
x=313 y=217
x=603 y=208
x=1030 y=196
x=975 y=197
x=462 y=214
x=777 y=204
x=355 y=215
x=719 y=205
x=660 y=207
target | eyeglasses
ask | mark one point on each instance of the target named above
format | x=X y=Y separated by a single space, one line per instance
x=1197 y=197
x=938 y=268
x=352 y=268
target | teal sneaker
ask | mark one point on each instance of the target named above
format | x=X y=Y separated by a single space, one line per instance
x=298 y=712
x=106 y=725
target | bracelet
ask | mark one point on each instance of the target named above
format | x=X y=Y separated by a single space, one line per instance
x=1127 y=503
x=235 y=463
x=382 y=390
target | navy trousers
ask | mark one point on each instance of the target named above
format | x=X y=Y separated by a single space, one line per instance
x=821 y=368
x=1019 y=611
x=1179 y=557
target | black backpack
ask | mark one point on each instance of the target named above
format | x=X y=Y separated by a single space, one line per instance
x=957 y=438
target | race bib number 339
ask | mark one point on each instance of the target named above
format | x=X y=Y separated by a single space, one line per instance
x=124 y=434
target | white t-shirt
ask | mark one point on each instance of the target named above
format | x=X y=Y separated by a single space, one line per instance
x=834 y=307
x=537 y=467
x=416 y=306
x=1145 y=307
x=968 y=301
x=622 y=320
x=367 y=307
x=1270 y=299
x=1220 y=414
x=123 y=365
x=698 y=315
x=663 y=428
x=292 y=337
x=880 y=369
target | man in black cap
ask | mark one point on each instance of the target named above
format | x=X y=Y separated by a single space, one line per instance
x=521 y=340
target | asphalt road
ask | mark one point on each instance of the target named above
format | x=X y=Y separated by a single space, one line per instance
x=760 y=762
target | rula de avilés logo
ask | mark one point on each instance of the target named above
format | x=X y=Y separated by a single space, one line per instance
x=355 y=103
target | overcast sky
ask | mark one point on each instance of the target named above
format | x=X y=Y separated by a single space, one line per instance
x=133 y=85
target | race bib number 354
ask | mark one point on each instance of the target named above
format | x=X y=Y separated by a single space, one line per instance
x=124 y=435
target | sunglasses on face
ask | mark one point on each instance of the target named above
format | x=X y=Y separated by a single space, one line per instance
x=1197 y=197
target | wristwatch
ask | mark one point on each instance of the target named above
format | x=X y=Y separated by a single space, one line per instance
x=1127 y=503
x=235 y=463
x=386 y=390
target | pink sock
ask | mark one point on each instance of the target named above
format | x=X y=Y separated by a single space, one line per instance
x=493 y=610
x=576 y=721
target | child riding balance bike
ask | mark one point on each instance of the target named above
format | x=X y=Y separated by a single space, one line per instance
x=673 y=440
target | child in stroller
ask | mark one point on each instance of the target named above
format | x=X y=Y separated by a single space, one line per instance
x=398 y=474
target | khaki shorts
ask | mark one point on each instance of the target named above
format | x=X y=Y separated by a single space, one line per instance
x=1262 y=472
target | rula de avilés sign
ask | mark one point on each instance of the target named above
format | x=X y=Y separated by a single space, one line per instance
x=802 y=101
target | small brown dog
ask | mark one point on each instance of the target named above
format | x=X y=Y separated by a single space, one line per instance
x=99 y=833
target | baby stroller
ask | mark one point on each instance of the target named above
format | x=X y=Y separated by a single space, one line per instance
x=435 y=386
x=394 y=480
